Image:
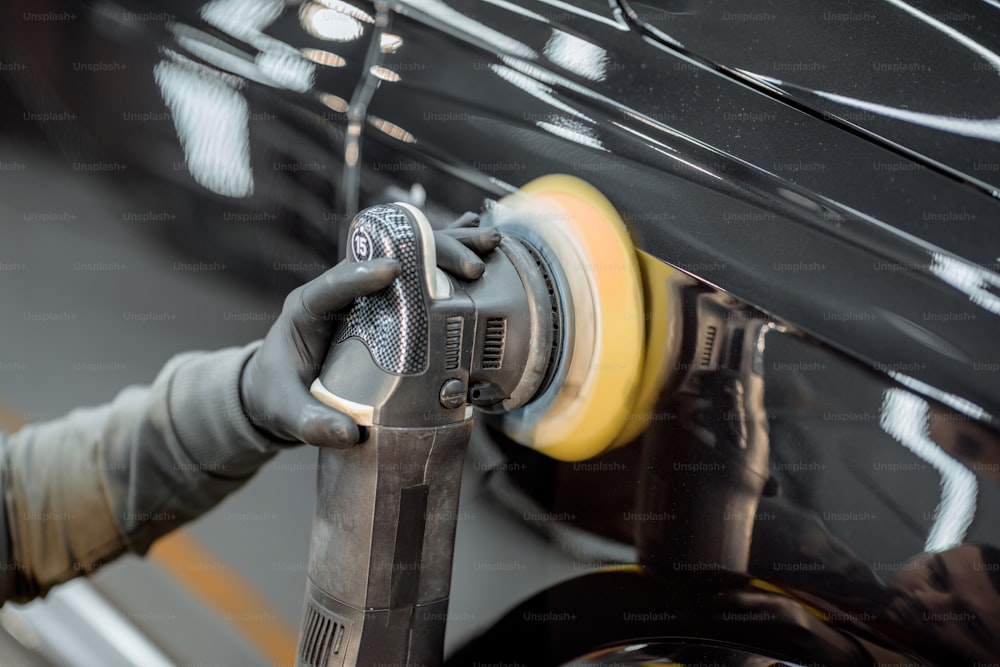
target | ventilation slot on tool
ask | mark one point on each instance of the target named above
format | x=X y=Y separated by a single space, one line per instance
x=496 y=337
x=452 y=342
x=706 y=352
x=321 y=639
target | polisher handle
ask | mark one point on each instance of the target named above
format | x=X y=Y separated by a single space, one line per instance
x=381 y=549
x=401 y=356
x=393 y=322
x=383 y=531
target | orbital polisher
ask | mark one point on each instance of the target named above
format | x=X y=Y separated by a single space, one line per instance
x=550 y=342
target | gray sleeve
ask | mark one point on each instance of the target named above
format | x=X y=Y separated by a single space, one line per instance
x=81 y=490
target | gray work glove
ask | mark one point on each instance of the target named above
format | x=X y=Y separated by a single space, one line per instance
x=274 y=387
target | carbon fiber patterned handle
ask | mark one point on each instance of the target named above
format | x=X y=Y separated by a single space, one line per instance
x=393 y=322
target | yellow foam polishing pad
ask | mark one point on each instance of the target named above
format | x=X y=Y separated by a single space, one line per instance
x=600 y=276
x=661 y=283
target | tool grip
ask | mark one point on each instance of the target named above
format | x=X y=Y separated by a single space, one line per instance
x=393 y=323
x=382 y=546
x=402 y=354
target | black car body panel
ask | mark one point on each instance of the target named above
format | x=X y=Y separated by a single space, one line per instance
x=919 y=76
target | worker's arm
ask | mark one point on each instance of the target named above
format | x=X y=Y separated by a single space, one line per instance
x=80 y=490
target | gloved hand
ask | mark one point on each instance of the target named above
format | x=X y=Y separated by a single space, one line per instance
x=274 y=386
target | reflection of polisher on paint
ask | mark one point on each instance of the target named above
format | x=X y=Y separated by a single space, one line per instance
x=550 y=341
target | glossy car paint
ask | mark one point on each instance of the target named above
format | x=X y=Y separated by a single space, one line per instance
x=901 y=73
x=847 y=237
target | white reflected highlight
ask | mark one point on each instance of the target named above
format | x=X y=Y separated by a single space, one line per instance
x=976 y=128
x=383 y=73
x=325 y=58
x=572 y=130
x=329 y=24
x=223 y=56
x=241 y=18
x=348 y=9
x=963 y=405
x=393 y=130
x=569 y=8
x=972 y=280
x=553 y=79
x=286 y=68
x=334 y=102
x=577 y=55
x=485 y=34
x=517 y=9
x=536 y=89
x=277 y=64
x=389 y=43
x=212 y=122
x=986 y=54
x=907 y=419
x=984 y=128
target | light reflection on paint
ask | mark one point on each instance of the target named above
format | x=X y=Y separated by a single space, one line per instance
x=663 y=149
x=923 y=335
x=503 y=185
x=286 y=68
x=976 y=128
x=224 y=57
x=348 y=9
x=383 y=73
x=907 y=419
x=393 y=130
x=485 y=34
x=577 y=55
x=694 y=166
x=210 y=114
x=212 y=122
x=535 y=73
x=645 y=137
x=351 y=155
x=517 y=9
x=583 y=13
x=536 y=89
x=538 y=74
x=963 y=405
x=972 y=280
x=329 y=24
x=800 y=200
x=971 y=44
x=241 y=18
x=572 y=130
x=276 y=64
x=335 y=102
x=389 y=43
x=325 y=58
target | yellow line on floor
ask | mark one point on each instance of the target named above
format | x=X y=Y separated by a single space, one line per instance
x=208 y=578
x=10 y=420
x=234 y=599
